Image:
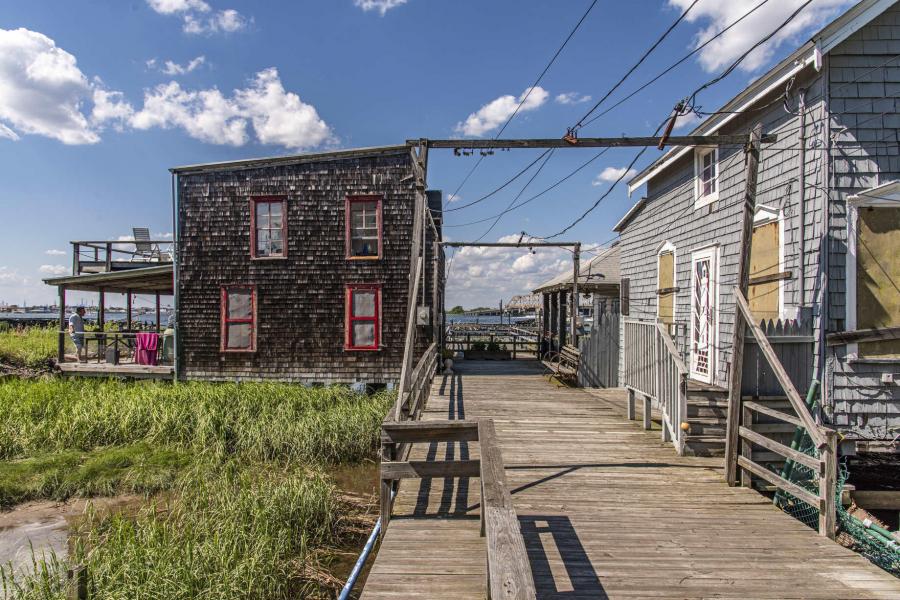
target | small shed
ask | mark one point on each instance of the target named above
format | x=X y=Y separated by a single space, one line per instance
x=598 y=289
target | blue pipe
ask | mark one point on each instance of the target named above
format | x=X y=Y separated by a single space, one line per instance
x=363 y=557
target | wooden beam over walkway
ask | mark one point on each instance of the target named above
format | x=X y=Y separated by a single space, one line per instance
x=610 y=142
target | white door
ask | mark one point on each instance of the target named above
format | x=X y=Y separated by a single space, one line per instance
x=704 y=314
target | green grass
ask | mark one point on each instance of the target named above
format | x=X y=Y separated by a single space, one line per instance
x=251 y=511
x=136 y=469
x=32 y=347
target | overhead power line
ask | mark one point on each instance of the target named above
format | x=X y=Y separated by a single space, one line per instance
x=528 y=93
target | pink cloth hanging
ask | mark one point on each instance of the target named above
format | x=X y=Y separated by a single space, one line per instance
x=145 y=346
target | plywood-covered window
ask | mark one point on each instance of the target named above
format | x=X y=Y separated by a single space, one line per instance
x=238 y=318
x=665 y=285
x=364 y=228
x=363 y=317
x=706 y=180
x=268 y=227
x=878 y=276
x=765 y=269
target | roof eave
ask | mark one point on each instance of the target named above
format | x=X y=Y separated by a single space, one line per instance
x=253 y=163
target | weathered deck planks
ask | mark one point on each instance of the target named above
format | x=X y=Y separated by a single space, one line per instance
x=606 y=509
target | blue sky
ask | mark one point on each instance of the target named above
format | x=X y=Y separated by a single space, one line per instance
x=98 y=98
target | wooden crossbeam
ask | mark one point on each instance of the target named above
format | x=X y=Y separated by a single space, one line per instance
x=611 y=142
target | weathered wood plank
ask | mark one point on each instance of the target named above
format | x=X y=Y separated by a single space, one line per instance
x=419 y=469
x=429 y=431
x=770 y=444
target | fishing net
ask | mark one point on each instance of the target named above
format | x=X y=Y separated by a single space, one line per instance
x=852 y=532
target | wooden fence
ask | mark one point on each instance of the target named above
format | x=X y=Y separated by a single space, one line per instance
x=599 y=366
x=743 y=436
x=792 y=342
x=654 y=370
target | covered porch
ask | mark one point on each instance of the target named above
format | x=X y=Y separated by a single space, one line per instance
x=137 y=348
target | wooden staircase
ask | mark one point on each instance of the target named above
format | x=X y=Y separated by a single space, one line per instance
x=707 y=419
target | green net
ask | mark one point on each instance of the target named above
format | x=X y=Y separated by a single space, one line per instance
x=853 y=532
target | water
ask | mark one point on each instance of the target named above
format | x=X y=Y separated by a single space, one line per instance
x=147 y=318
x=488 y=319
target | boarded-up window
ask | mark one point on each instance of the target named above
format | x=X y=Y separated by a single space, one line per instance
x=363 y=322
x=878 y=277
x=764 y=265
x=665 y=287
x=363 y=214
x=238 y=319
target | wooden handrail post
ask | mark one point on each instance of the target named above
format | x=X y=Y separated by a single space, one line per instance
x=827 y=486
x=751 y=172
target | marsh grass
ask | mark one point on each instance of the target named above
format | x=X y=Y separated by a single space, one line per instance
x=32 y=347
x=252 y=511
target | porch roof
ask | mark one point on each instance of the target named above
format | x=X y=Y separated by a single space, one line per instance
x=600 y=275
x=155 y=279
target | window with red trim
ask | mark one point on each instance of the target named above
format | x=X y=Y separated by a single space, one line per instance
x=363 y=226
x=268 y=227
x=363 y=317
x=239 y=318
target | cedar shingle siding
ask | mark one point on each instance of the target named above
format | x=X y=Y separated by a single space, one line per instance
x=860 y=117
x=300 y=313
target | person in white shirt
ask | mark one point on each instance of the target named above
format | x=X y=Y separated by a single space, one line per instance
x=76 y=331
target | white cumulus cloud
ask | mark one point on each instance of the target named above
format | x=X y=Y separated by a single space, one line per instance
x=276 y=115
x=53 y=269
x=497 y=111
x=41 y=89
x=170 y=67
x=453 y=198
x=571 y=98
x=54 y=252
x=382 y=6
x=715 y=16
x=198 y=17
x=610 y=174
x=481 y=276
x=110 y=107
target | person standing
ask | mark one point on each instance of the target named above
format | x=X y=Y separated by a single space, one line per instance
x=76 y=331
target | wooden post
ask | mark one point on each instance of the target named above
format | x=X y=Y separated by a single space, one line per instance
x=61 y=343
x=545 y=325
x=108 y=257
x=751 y=171
x=388 y=452
x=630 y=410
x=648 y=408
x=576 y=260
x=158 y=315
x=78 y=583
x=746 y=447
x=76 y=249
x=435 y=294
x=827 y=485
x=552 y=319
x=128 y=310
x=562 y=318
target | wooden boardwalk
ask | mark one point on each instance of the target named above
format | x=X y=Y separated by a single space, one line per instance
x=606 y=509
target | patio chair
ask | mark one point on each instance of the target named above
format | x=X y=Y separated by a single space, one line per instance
x=144 y=250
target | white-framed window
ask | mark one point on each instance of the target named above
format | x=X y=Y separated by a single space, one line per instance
x=873 y=271
x=706 y=176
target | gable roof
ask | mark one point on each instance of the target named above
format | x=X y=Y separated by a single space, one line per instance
x=601 y=273
x=807 y=54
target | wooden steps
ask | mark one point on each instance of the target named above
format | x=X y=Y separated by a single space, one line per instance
x=707 y=419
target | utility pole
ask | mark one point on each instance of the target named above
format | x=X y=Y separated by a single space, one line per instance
x=732 y=440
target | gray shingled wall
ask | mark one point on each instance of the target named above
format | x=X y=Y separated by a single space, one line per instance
x=670 y=216
x=865 y=119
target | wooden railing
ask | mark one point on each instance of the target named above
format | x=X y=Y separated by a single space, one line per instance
x=413 y=399
x=510 y=338
x=654 y=370
x=103 y=256
x=509 y=573
x=741 y=437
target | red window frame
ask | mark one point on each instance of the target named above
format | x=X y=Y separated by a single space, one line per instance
x=254 y=200
x=348 y=243
x=349 y=319
x=225 y=320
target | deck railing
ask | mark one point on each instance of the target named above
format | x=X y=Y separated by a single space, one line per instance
x=124 y=342
x=742 y=437
x=509 y=573
x=509 y=338
x=653 y=369
x=103 y=256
